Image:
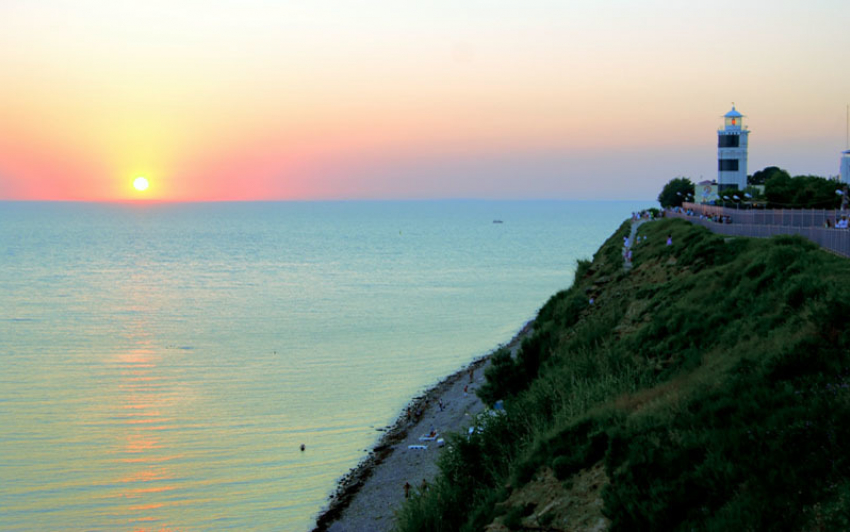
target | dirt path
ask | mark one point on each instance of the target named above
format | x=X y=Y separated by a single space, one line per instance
x=367 y=498
x=627 y=263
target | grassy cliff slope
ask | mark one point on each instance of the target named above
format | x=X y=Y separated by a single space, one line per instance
x=706 y=389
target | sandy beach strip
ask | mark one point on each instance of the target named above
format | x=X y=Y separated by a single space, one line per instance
x=367 y=498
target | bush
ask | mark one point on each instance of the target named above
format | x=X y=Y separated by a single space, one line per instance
x=501 y=378
x=582 y=269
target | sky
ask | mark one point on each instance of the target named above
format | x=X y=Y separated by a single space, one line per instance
x=282 y=100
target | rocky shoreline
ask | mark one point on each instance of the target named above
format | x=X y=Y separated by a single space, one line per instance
x=367 y=497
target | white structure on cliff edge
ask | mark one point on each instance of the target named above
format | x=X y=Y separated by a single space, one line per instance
x=844 y=169
x=732 y=143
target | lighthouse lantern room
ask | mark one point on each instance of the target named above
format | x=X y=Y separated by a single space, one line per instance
x=732 y=143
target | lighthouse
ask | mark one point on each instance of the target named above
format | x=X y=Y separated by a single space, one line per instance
x=732 y=143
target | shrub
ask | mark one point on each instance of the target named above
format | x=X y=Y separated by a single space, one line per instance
x=500 y=377
x=582 y=269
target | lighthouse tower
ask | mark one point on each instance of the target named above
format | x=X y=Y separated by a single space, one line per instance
x=732 y=143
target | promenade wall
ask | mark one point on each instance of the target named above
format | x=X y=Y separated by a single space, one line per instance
x=764 y=223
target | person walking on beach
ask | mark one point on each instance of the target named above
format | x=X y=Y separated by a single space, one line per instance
x=471 y=374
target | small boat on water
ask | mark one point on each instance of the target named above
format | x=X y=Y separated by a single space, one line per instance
x=498 y=221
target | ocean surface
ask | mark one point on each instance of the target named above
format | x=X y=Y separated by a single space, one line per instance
x=161 y=364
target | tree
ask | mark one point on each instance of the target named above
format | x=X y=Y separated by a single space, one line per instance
x=817 y=192
x=801 y=192
x=779 y=190
x=762 y=176
x=675 y=192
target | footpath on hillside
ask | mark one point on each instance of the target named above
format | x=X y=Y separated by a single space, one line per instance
x=630 y=242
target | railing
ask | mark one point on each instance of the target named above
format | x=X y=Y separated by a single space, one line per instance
x=762 y=224
x=781 y=217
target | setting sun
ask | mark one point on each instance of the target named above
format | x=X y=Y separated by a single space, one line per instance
x=140 y=183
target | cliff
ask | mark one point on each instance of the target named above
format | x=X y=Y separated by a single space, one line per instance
x=706 y=388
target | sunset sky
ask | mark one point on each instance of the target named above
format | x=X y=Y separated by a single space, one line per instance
x=227 y=100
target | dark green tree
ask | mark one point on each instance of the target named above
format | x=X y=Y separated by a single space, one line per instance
x=762 y=176
x=801 y=192
x=815 y=192
x=675 y=192
x=779 y=190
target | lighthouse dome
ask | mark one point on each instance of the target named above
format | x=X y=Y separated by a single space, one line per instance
x=733 y=113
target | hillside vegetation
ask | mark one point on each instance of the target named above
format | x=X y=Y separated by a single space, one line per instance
x=706 y=389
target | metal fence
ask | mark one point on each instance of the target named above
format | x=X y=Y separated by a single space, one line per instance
x=781 y=217
x=835 y=240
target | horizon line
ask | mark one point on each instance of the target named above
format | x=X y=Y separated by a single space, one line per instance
x=329 y=200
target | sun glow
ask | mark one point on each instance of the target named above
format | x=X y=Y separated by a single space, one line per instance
x=140 y=184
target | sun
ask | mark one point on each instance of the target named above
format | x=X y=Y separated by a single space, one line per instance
x=140 y=184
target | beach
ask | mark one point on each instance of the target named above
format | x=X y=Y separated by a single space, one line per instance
x=370 y=494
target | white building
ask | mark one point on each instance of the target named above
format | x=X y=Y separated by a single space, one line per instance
x=732 y=143
x=706 y=192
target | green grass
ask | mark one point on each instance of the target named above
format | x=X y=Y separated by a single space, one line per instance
x=713 y=381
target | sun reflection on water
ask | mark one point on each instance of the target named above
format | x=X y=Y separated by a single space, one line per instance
x=145 y=455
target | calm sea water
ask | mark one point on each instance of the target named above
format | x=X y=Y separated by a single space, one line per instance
x=160 y=364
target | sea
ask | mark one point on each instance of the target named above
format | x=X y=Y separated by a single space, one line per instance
x=162 y=363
